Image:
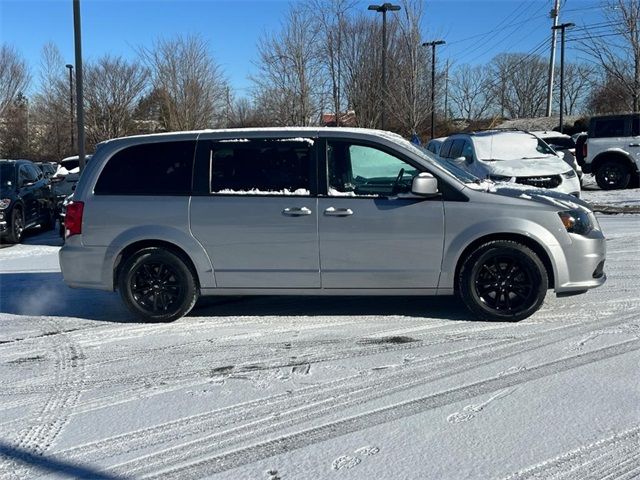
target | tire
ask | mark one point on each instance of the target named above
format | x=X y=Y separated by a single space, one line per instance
x=503 y=281
x=613 y=175
x=17 y=226
x=157 y=286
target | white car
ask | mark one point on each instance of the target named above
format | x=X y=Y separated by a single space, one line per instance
x=67 y=175
x=511 y=156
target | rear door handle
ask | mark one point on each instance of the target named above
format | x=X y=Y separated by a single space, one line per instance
x=296 y=211
x=338 y=212
x=634 y=144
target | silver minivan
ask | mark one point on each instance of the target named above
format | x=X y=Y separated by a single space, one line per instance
x=334 y=211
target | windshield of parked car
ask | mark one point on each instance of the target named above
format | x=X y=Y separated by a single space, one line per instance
x=7 y=171
x=496 y=146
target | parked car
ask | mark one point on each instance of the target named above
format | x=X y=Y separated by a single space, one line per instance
x=564 y=145
x=26 y=200
x=334 y=211
x=48 y=169
x=435 y=144
x=64 y=182
x=613 y=151
x=511 y=156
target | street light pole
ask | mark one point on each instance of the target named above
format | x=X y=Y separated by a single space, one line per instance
x=77 y=34
x=433 y=82
x=384 y=8
x=70 y=67
x=562 y=28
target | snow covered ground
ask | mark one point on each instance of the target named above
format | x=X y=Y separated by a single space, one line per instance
x=318 y=388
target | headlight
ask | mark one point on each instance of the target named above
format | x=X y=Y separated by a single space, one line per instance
x=4 y=203
x=576 y=221
x=570 y=174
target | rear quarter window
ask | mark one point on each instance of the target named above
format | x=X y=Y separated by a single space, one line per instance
x=608 y=127
x=162 y=168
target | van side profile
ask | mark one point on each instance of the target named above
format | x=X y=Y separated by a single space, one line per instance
x=167 y=218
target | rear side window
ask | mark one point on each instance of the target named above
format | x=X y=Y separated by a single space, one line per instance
x=635 y=127
x=261 y=167
x=456 y=148
x=608 y=127
x=163 y=168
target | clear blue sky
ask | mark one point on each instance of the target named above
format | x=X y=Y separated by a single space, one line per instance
x=233 y=28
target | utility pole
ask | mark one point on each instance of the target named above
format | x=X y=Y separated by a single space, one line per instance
x=552 y=60
x=77 y=34
x=562 y=28
x=433 y=82
x=384 y=8
x=446 y=92
x=70 y=67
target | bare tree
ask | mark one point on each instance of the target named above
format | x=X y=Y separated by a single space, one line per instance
x=287 y=83
x=619 y=54
x=189 y=82
x=409 y=97
x=51 y=108
x=578 y=80
x=521 y=84
x=14 y=77
x=470 y=91
x=113 y=89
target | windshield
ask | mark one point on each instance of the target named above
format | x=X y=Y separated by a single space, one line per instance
x=496 y=146
x=7 y=171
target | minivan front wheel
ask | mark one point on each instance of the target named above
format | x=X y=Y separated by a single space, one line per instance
x=503 y=280
x=157 y=285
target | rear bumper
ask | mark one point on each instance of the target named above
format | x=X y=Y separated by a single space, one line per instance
x=82 y=266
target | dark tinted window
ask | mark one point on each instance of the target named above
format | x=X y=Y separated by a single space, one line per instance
x=265 y=167
x=27 y=173
x=560 y=143
x=456 y=148
x=446 y=147
x=635 y=127
x=609 y=127
x=7 y=173
x=163 y=168
x=467 y=151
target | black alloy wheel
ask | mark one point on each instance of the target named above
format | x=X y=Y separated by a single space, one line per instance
x=157 y=286
x=17 y=226
x=503 y=280
x=613 y=176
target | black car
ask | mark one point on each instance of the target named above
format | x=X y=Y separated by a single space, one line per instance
x=26 y=200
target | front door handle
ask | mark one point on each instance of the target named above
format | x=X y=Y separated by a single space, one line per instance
x=296 y=211
x=634 y=144
x=338 y=212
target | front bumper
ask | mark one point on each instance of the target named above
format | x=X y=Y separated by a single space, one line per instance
x=583 y=265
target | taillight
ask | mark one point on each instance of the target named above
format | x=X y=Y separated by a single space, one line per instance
x=73 y=219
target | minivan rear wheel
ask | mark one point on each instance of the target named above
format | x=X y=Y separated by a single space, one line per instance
x=157 y=285
x=503 y=280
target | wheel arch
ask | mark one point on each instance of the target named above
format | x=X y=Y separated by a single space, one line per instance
x=136 y=246
x=529 y=242
x=615 y=156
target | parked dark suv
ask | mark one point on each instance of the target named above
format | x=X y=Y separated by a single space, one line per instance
x=26 y=200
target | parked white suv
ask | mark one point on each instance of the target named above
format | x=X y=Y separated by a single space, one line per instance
x=613 y=151
x=511 y=156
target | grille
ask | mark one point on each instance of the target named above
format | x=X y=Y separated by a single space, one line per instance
x=547 y=181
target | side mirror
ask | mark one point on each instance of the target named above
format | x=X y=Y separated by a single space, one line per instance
x=425 y=185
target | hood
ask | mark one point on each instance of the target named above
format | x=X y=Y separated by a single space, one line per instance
x=551 y=198
x=548 y=165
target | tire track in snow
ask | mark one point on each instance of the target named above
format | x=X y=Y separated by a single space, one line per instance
x=204 y=461
x=334 y=401
x=54 y=413
x=612 y=457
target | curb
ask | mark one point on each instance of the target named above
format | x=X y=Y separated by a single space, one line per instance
x=610 y=209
